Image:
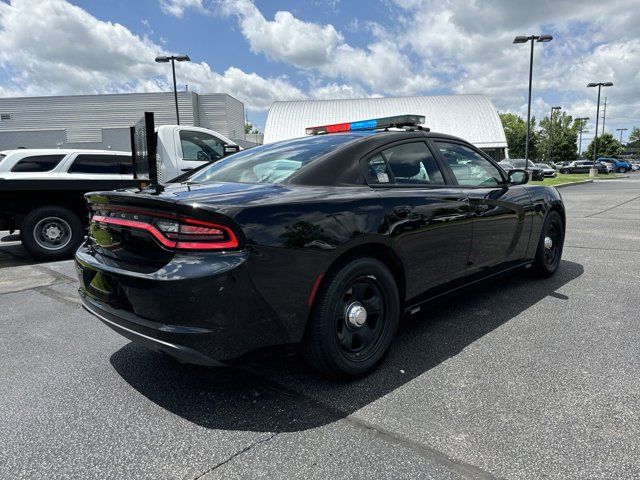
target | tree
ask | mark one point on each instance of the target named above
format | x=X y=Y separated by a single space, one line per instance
x=634 y=136
x=563 y=135
x=249 y=128
x=608 y=146
x=515 y=129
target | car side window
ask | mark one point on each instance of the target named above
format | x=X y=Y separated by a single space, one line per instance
x=407 y=163
x=200 y=146
x=96 y=164
x=468 y=166
x=37 y=163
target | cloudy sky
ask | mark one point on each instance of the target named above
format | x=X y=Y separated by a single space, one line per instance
x=260 y=51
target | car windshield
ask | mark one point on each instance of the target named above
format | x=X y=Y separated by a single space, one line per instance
x=520 y=163
x=271 y=163
x=544 y=165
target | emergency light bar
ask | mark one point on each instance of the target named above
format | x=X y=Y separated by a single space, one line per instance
x=374 y=124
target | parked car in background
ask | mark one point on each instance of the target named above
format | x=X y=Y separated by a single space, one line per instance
x=621 y=166
x=506 y=165
x=536 y=172
x=547 y=170
x=609 y=166
x=583 y=166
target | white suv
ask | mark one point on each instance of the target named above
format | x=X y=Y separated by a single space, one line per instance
x=67 y=164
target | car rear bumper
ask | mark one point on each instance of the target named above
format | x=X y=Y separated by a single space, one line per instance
x=200 y=310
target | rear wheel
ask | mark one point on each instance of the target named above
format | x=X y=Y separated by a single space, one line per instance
x=354 y=319
x=564 y=171
x=51 y=233
x=622 y=170
x=550 y=245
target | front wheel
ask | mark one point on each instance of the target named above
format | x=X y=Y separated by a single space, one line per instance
x=549 y=252
x=51 y=233
x=354 y=319
x=622 y=170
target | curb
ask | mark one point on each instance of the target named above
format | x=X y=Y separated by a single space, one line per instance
x=569 y=184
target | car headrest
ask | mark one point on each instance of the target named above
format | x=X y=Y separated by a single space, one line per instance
x=405 y=169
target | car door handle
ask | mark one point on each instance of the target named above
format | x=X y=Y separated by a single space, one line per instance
x=402 y=211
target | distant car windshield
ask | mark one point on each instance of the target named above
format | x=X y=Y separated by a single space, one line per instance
x=544 y=165
x=271 y=163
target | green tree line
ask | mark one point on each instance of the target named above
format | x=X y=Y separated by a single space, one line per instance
x=555 y=138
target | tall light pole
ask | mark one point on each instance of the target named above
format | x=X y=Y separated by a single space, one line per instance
x=595 y=140
x=621 y=130
x=604 y=114
x=551 y=132
x=525 y=39
x=173 y=59
x=581 y=129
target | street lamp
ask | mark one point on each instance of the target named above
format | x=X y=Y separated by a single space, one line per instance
x=621 y=130
x=581 y=129
x=551 y=132
x=595 y=141
x=173 y=59
x=525 y=39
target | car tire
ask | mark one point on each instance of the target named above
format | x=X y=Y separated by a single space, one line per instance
x=622 y=170
x=564 y=171
x=550 y=244
x=341 y=340
x=51 y=233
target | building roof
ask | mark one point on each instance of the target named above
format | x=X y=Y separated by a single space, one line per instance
x=472 y=117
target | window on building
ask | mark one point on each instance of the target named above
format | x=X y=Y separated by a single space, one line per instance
x=5 y=116
x=200 y=146
x=98 y=164
x=37 y=163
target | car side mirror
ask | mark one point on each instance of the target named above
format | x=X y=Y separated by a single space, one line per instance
x=518 y=177
x=231 y=149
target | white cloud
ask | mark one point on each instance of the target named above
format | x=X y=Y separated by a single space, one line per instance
x=178 y=7
x=470 y=45
x=381 y=67
x=286 y=39
x=75 y=53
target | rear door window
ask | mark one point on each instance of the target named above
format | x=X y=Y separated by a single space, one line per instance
x=37 y=163
x=407 y=164
x=96 y=164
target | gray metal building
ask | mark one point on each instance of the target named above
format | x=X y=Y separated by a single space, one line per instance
x=472 y=117
x=102 y=121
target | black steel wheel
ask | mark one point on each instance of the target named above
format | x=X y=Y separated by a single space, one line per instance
x=51 y=233
x=354 y=319
x=550 y=245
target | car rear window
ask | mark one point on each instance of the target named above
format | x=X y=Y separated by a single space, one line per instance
x=100 y=164
x=37 y=163
x=271 y=163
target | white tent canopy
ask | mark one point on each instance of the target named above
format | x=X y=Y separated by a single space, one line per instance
x=472 y=117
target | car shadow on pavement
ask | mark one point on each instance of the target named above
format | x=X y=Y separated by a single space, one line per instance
x=280 y=394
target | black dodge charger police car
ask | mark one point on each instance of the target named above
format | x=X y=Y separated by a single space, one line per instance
x=323 y=241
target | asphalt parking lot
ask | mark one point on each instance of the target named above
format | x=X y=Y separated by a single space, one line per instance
x=520 y=378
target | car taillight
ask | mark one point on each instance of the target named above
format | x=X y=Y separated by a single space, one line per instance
x=172 y=232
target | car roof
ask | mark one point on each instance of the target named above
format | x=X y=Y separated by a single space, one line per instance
x=62 y=151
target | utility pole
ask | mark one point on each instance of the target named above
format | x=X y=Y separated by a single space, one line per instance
x=581 y=121
x=604 y=115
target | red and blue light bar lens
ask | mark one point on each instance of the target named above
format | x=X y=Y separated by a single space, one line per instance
x=373 y=124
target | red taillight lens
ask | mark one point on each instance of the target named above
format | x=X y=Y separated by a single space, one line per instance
x=173 y=232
